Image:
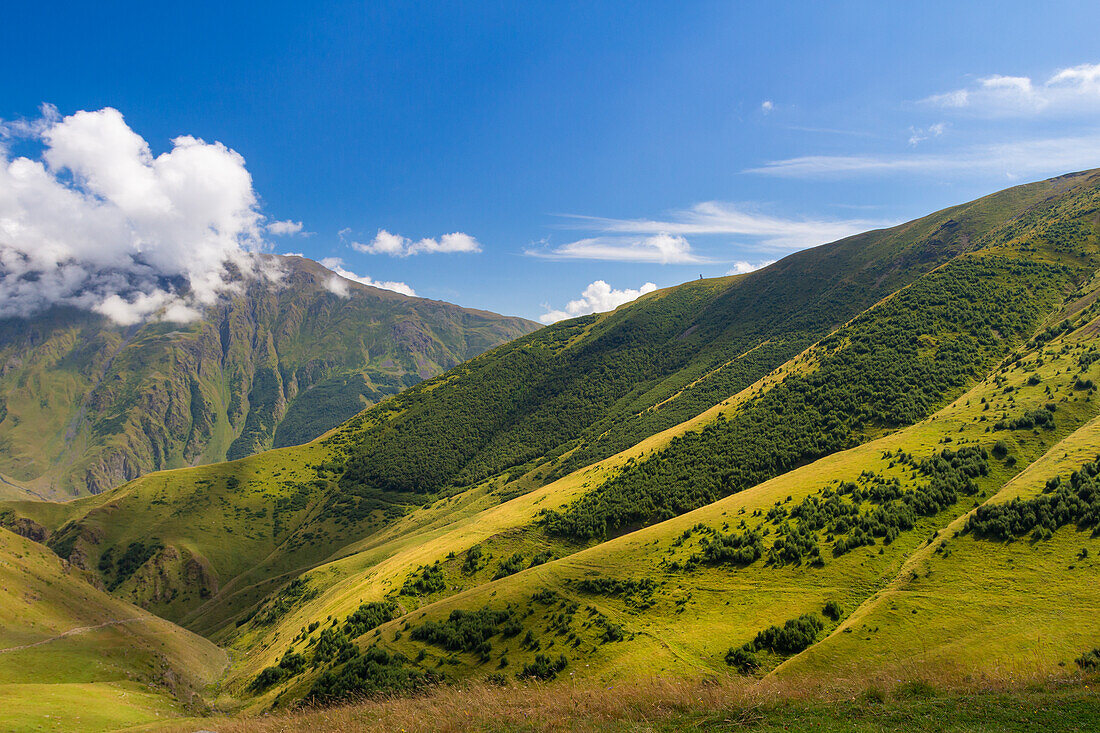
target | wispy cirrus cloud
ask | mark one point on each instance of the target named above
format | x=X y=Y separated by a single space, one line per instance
x=721 y=218
x=1070 y=91
x=660 y=248
x=1010 y=159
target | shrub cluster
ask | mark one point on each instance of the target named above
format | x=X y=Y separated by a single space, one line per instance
x=372 y=672
x=136 y=554
x=290 y=665
x=1074 y=501
x=543 y=668
x=369 y=616
x=510 y=566
x=425 y=581
x=1042 y=417
x=792 y=637
x=465 y=631
x=294 y=593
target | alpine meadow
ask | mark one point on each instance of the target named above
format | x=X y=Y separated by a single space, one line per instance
x=747 y=480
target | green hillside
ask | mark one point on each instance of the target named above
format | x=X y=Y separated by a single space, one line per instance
x=86 y=405
x=75 y=658
x=872 y=461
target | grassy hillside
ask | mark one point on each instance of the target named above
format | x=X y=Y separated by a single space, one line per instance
x=889 y=367
x=670 y=599
x=778 y=476
x=86 y=405
x=75 y=658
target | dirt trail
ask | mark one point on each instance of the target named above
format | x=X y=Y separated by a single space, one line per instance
x=72 y=632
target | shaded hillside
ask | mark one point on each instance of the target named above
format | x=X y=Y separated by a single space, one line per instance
x=86 y=405
x=593 y=386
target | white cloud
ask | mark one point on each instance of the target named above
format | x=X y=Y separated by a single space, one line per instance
x=920 y=134
x=596 y=298
x=285 y=228
x=395 y=245
x=1072 y=90
x=338 y=286
x=661 y=248
x=767 y=106
x=716 y=218
x=1011 y=160
x=742 y=267
x=99 y=223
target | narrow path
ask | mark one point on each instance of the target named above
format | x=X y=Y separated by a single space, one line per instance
x=72 y=632
x=5 y=480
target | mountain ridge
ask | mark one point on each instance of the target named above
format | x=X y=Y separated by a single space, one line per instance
x=87 y=404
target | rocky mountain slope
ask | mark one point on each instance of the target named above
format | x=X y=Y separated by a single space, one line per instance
x=86 y=405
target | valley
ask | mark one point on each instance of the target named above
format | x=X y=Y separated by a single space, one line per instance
x=870 y=466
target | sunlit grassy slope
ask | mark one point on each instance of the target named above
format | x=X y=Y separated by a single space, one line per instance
x=75 y=658
x=910 y=608
x=647 y=491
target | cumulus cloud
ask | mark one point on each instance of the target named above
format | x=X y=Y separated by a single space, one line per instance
x=742 y=267
x=98 y=222
x=767 y=106
x=719 y=218
x=340 y=287
x=661 y=248
x=395 y=245
x=285 y=228
x=1011 y=160
x=1067 y=91
x=596 y=298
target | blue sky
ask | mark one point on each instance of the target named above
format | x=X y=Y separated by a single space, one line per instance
x=512 y=155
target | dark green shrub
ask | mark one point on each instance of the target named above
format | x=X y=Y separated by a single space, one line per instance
x=1089 y=661
x=790 y=638
x=743 y=659
x=268 y=677
x=426 y=581
x=510 y=566
x=369 y=616
x=543 y=668
x=372 y=672
x=463 y=630
x=472 y=560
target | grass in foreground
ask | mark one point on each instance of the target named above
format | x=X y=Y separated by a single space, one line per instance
x=728 y=704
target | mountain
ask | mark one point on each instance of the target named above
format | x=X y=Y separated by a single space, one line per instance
x=873 y=460
x=86 y=404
